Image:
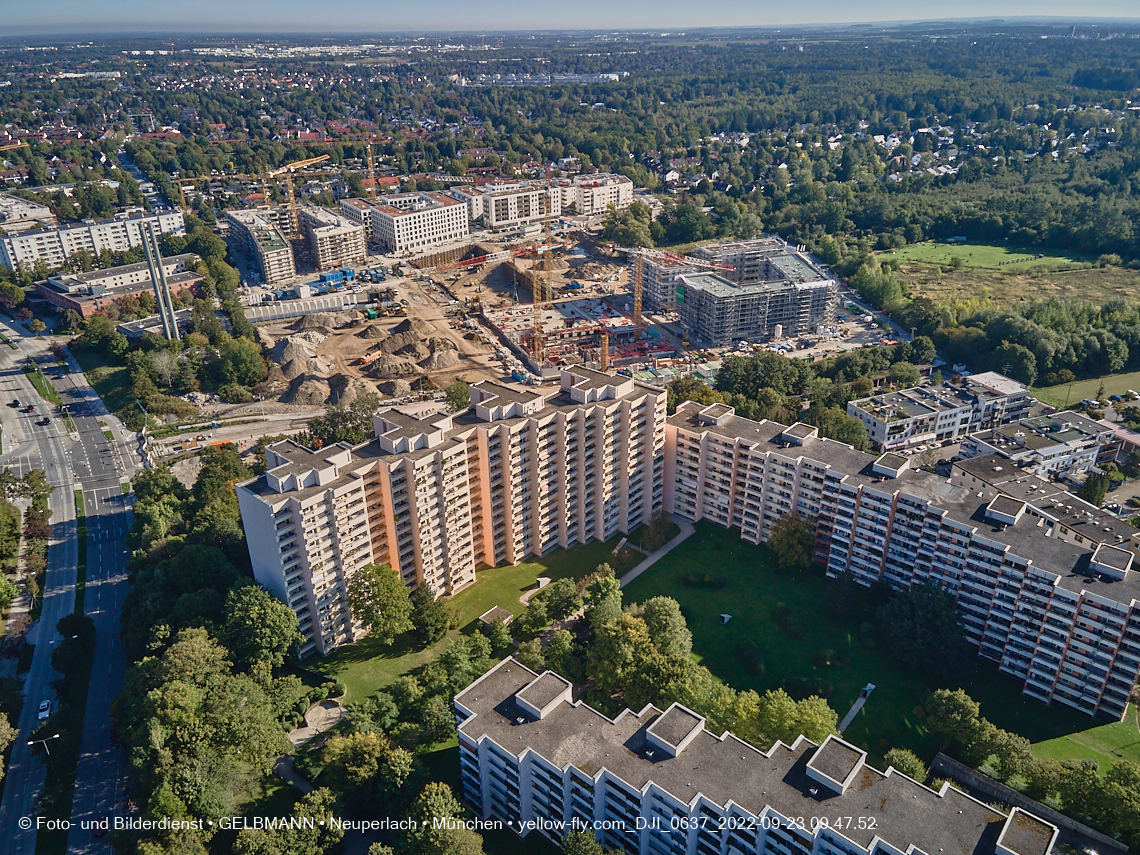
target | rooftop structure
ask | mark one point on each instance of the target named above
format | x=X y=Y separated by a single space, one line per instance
x=88 y=293
x=937 y=413
x=1023 y=558
x=660 y=781
x=1063 y=443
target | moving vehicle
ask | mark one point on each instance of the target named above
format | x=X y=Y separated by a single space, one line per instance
x=44 y=421
x=30 y=408
x=44 y=711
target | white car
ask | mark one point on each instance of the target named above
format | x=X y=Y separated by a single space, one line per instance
x=45 y=711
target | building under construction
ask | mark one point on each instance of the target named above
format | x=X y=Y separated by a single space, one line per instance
x=767 y=260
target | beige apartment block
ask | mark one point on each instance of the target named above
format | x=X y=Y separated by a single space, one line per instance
x=335 y=241
x=264 y=244
x=521 y=472
x=1045 y=583
x=53 y=246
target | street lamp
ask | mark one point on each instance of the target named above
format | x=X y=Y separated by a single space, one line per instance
x=44 y=743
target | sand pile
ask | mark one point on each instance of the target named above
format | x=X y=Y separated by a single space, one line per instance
x=309 y=336
x=310 y=392
x=440 y=359
x=395 y=388
x=372 y=331
x=291 y=348
x=392 y=366
x=265 y=339
x=319 y=321
x=293 y=369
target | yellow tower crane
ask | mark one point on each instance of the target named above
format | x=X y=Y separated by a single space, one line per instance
x=14 y=145
x=288 y=171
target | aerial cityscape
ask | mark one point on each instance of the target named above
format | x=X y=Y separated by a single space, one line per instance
x=547 y=434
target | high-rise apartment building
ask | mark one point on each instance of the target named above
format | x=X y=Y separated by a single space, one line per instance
x=263 y=244
x=335 y=241
x=593 y=194
x=53 y=246
x=519 y=473
x=1044 y=582
x=660 y=783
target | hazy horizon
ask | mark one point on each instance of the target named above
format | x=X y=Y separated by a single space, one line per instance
x=291 y=17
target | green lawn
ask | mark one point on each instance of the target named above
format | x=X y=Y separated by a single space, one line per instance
x=985 y=255
x=1062 y=395
x=888 y=720
x=367 y=666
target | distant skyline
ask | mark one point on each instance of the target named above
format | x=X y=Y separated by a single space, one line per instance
x=106 y=17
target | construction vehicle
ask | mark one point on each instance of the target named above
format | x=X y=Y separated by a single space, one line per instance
x=288 y=171
x=640 y=253
x=371 y=314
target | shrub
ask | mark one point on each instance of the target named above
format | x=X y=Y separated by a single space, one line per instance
x=787 y=621
x=750 y=657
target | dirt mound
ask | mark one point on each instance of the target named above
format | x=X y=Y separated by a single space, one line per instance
x=422 y=329
x=346 y=389
x=372 y=331
x=291 y=348
x=309 y=336
x=398 y=341
x=415 y=351
x=440 y=359
x=308 y=391
x=265 y=339
x=395 y=388
x=274 y=384
x=293 y=369
x=393 y=366
x=319 y=321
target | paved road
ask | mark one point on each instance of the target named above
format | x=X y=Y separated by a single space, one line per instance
x=88 y=460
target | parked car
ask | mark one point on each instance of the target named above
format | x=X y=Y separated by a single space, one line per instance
x=44 y=711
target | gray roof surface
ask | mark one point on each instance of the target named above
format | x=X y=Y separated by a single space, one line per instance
x=726 y=770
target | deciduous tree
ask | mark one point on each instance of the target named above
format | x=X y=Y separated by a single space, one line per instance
x=379 y=599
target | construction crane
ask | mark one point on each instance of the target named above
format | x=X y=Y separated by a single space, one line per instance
x=640 y=253
x=288 y=171
x=604 y=361
x=371 y=171
x=20 y=144
x=539 y=283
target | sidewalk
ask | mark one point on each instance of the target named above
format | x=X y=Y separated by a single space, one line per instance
x=686 y=531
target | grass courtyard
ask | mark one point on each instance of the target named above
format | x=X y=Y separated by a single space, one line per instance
x=888 y=720
x=367 y=666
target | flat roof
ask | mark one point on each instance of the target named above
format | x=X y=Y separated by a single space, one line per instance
x=906 y=813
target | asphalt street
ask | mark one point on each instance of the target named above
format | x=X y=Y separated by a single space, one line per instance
x=86 y=459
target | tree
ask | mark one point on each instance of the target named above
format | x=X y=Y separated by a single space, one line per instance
x=379 y=600
x=8 y=591
x=815 y=719
x=429 y=834
x=628 y=227
x=581 y=843
x=299 y=838
x=907 y=762
x=430 y=620
x=904 y=374
x=536 y=618
x=620 y=647
x=952 y=714
x=603 y=600
x=1013 y=754
x=531 y=655
x=560 y=598
x=1094 y=489
x=499 y=634
x=792 y=542
x=341 y=423
x=667 y=626
x=37 y=326
x=260 y=628
x=1017 y=361
x=923 y=629
x=690 y=387
x=560 y=656
x=1042 y=777
x=8 y=735
x=458 y=396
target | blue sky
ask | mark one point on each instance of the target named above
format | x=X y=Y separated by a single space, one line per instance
x=386 y=16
